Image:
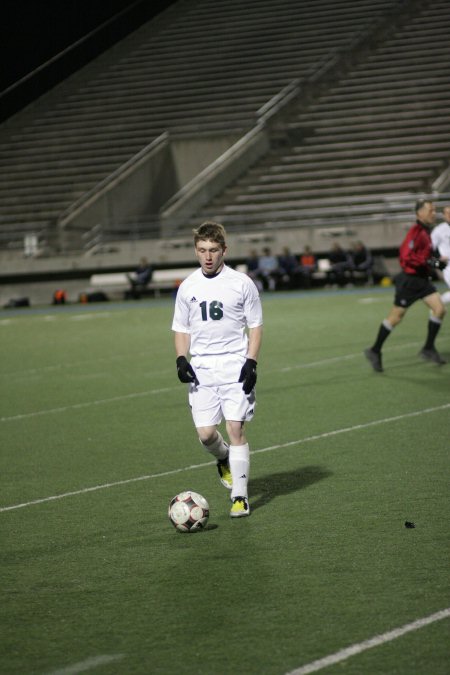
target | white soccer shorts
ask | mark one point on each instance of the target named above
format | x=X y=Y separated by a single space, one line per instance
x=210 y=405
x=219 y=395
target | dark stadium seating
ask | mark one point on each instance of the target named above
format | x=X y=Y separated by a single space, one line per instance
x=379 y=127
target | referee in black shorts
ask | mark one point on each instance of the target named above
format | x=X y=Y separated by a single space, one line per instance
x=412 y=284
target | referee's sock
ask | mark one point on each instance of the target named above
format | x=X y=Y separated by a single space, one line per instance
x=383 y=333
x=434 y=325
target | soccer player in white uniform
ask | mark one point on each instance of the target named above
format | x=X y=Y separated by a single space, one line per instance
x=218 y=321
x=440 y=238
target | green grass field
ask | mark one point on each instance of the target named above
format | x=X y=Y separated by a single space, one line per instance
x=96 y=437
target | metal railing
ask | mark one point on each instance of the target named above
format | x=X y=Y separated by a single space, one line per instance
x=147 y=225
x=109 y=182
x=387 y=208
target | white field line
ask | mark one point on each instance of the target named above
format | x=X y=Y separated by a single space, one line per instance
x=66 y=365
x=87 y=404
x=120 y=357
x=150 y=392
x=300 y=441
x=344 y=357
x=376 y=641
x=88 y=664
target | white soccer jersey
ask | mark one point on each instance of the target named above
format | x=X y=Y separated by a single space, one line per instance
x=440 y=237
x=216 y=310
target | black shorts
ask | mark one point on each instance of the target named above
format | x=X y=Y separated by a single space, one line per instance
x=409 y=288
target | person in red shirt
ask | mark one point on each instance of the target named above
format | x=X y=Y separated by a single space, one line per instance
x=412 y=284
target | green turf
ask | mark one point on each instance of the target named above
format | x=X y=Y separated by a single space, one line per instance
x=342 y=457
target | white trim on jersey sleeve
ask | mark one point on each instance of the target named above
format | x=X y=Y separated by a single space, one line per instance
x=181 y=323
x=253 y=304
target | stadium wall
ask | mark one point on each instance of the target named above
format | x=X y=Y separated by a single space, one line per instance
x=140 y=187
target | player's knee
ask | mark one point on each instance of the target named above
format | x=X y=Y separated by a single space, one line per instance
x=441 y=312
x=394 y=319
x=236 y=434
x=207 y=435
x=396 y=315
x=438 y=310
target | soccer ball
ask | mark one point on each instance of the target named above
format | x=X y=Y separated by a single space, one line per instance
x=188 y=511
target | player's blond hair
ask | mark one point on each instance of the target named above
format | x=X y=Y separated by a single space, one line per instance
x=210 y=231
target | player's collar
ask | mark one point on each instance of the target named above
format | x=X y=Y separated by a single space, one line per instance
x=216 y=274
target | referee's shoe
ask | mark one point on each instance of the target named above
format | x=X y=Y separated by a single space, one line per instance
x=374 y=358
x=432 y=355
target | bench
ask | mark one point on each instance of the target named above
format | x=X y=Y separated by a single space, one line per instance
x=323 y=267
x=116 y=283
x=378 y=270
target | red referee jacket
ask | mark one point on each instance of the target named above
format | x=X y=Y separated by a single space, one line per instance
x=415 y=250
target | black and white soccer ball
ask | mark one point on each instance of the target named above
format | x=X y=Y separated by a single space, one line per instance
x=188 y=511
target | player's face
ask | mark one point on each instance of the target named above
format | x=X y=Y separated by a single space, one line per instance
x=427 y=213
x=210 y=255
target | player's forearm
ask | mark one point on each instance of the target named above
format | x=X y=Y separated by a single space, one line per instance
x=254 y=342
x=182 y=343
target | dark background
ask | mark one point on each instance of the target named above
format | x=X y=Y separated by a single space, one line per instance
x=33 y=31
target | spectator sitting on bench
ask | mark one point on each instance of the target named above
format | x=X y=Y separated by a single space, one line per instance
x=253 y=269
x=288 y=268
x=362 y=262
x=268 y=269
x=307 y=267
x=341 y=263
x=139 y=279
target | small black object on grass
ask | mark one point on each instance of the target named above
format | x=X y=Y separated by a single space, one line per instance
x=409 y=524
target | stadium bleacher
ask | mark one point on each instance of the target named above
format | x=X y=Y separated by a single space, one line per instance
x=373 y=131
x=380 y=130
